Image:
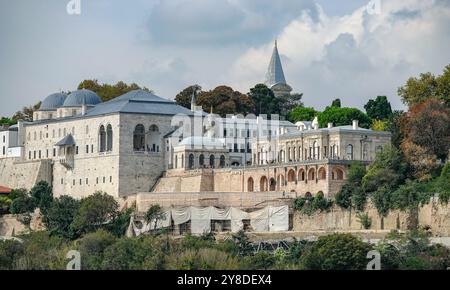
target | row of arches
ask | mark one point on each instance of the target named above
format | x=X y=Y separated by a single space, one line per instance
x=202 y=161
x=273 y=184
x=105 y=137
x=146 y=141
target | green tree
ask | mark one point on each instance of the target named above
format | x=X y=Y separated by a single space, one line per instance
x=7 y=121
x=336 y=252
x=10 y=252
x=108 y=92
x=184 y=97
x=60 y=215
x=289 y=102
x=343 y=117
x=42 y=195
x=418 y=90
x=154 y=214
x=264 y=100
x=336 y=103
x=442 y=184
x=302 y=114
x=92 y=248
x=22 y=202
x=394 y=126
x=95 y=211
x=379 y=109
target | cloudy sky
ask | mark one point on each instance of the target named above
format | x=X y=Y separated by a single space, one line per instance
x=329 y=48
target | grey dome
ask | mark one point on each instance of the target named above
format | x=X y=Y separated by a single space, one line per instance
x=80 y=97
x=53 y=102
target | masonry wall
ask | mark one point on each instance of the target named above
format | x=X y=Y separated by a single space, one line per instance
x=434 y=214
x=24 y=174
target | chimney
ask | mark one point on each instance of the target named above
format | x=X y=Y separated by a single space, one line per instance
x=355 y=124
x=83 y=109
x=330 y=125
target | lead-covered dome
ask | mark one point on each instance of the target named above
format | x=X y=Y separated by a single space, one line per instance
x=80 y=97
x=53 y=102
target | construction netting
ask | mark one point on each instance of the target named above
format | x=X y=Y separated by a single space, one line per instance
x=268 y=219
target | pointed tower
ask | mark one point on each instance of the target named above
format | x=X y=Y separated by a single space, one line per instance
x=275 y=76
x=193 y=102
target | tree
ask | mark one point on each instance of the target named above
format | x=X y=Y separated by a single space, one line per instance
x=264 y=100
x=336 y=252
x=343 y=117
x=289 y=102
x=22 y=202
x=108 y=92
x=380 y=125
x=154 y=214
x=42 y=195
x=92 y=248
x=94 y=212
x=60 y=215
x=27 y=113
x=184 y=97
x=394 y=126
x=7 y=122
x=379 y=109
x=427 y=125
x=418 y=90
x=336 y=103
x=302 y=114
x=224 y=100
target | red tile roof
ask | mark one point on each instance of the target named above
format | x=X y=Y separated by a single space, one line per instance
x=4 y=189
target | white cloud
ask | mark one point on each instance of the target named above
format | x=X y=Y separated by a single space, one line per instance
x=356 y=56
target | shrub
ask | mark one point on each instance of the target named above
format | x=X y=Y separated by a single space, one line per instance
x=309 y=205
x=22 y=203
x=202 y=259
x=10 y=251
x=364 y=220
x=92 y=247
x=42 y=195
x=60 y=215
x=260 y=261
x=336 y=252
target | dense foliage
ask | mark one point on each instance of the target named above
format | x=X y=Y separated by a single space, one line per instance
x=108 y=92
x=343 y=117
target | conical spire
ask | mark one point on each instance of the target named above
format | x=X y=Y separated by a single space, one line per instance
x=275 y=74
x=193 y=101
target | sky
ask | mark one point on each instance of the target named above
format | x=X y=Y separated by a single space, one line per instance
x=329 y=49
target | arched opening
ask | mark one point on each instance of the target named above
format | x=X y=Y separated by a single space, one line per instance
x=222 y=161
x=337 y=174
x=212 y=161
x=191 y=161
x=154 y=140
x=235 y=164
x=263 y=184
x=322 y=173
x=109 y=138
x=272 y=184
x=311 y=174
x=139 y=138
x=102 y=139
x=308 y=195
x=201 y=160
x=250 y=185
x=301 y=175
x=349 y=152
x=280 y=182
x=291 y=175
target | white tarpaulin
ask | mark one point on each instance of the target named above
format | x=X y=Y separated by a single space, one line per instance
x=270 y=219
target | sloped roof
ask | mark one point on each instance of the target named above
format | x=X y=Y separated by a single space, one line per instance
x=275 y=74
x=4 y=189
x=67 y=140
x=139 y=102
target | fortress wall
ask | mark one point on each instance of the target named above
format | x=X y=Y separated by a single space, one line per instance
x=18 y=174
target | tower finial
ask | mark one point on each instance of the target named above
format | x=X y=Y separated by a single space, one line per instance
x=193 y=101
x=276 y=43
x=211 y=109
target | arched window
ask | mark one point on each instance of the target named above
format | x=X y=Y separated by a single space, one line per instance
x=154 y=140
x=349 y=152
x=311 y=174
x=212 y=161
x=102 y=139
x=291 y=175
x=366 y=151
x=222 y=161
x=263 y=184
x=201 y=160
x=109 y=138
x=280 y=181
x=301 y=175
x=176 y=161
x=139 y=138
x=322 y=174
x=337 y=174
x=191 y=161
x=250 y=185
x=182 y=160
x=272 y=184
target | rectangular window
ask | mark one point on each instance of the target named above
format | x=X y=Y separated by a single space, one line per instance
x=62 y=181
x=80 y=182
x=34 y=154
x=76 y=150
x=74 y=182
x=54 y=152
x=110 y=179
x=97 y=180
x=4 y=150
x=29 y=155
x=104 y=180
x=87 y=149
x=87 y=181
x=40 y=154
x=92 y=148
